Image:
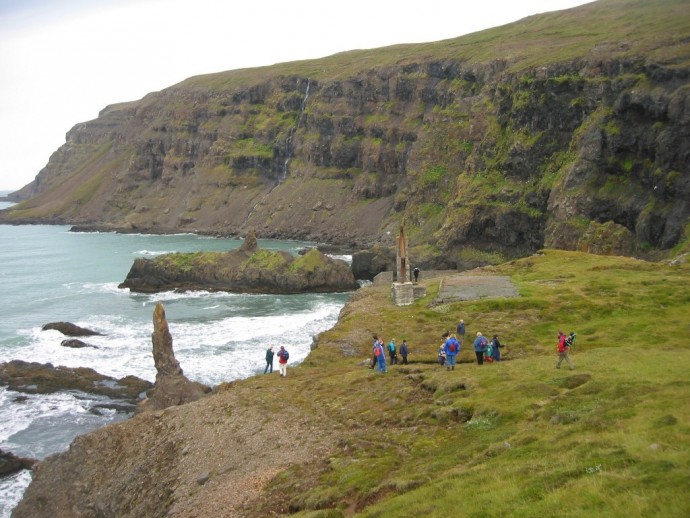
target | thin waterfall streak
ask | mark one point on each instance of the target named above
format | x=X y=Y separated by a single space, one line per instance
x=288 y=148
x=291 y=133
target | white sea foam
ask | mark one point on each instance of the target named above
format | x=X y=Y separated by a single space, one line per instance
x=11 y=490
x=52 y=275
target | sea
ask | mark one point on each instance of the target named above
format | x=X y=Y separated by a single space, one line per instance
x=50 y=274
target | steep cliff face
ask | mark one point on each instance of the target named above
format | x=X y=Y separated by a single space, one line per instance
x=488 y=146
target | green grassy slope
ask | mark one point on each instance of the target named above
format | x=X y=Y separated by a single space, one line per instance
x=518 y=438
x=623 y=28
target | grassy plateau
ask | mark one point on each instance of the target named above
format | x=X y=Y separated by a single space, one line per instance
x=515 y=438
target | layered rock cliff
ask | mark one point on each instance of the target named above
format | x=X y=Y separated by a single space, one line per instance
x=565 y=130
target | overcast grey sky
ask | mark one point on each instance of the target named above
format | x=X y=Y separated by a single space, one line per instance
x=62 y=61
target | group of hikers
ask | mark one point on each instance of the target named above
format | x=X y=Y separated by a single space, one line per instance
x=379 y=351
x=486 y=350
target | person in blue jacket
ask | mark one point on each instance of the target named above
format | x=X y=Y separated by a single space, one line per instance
x=451 y=348
x=480 y=344
x=380 y=355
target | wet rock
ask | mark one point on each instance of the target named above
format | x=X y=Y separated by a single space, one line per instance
x=10 y=463
x=69 y=329
x=44 y=378
x=75 y=343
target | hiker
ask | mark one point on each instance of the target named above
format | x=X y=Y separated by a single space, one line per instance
x=563 y=348
x=461 y=331
x=404 y=352
x=269 y=359
x=415 y=272
x=496 y=345
x=380 y=355
x=451 y=348
x=392 y=351
x=480 y=344
x=442 y=354
x=374 y=359
x=488 y=352
x=283 y=356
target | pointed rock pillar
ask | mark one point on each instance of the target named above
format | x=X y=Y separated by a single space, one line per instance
x=171 y=387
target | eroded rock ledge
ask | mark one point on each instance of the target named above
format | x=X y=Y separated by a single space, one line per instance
x=246 y=270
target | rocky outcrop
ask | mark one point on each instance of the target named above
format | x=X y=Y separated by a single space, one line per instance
x=69 y=329
x=75 y=344
x=44 y=378
x=246 y=270
x=487 y=149
x=172 y=387
x=11 y=464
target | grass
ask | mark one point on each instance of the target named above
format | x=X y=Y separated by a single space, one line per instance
x=518 y=438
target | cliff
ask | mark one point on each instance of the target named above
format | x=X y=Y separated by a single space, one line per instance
x=566 y=130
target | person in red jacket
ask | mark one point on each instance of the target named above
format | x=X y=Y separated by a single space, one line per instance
x=282 y=360
x=563 y=351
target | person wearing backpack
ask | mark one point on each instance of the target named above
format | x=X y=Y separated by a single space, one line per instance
x=283 y=356
x=451 y=348
x=380 y=356
x=563 y=349
x=393 y=352
x=480 y=344
x=374 y=359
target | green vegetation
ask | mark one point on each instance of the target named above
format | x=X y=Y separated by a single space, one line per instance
x=188 y=261
x=309 y=262
x=265 y=259
x=518 y=438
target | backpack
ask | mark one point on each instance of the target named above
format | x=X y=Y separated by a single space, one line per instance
x=570 y=340
x=285 y=354
x=452 y=347
x=377 y=351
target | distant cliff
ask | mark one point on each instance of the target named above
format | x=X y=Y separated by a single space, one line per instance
x=566 y=130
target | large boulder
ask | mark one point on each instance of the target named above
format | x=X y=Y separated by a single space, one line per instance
x=366 y=264
x=172 y=387
x=69 y=329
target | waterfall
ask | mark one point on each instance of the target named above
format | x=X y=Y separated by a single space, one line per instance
x=288 y=151
x=291 y=133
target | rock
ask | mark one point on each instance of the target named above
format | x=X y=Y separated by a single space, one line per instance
x=241 y=271
x=366 y=264
x=10 y=463
x=44 y=378
x=75 y=344
x=69 y=329
x=250 y=244
x=172 y=387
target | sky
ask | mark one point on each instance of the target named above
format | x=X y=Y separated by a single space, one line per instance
x=63 y=61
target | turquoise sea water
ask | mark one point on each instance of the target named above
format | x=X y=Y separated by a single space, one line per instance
x=49 y=274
